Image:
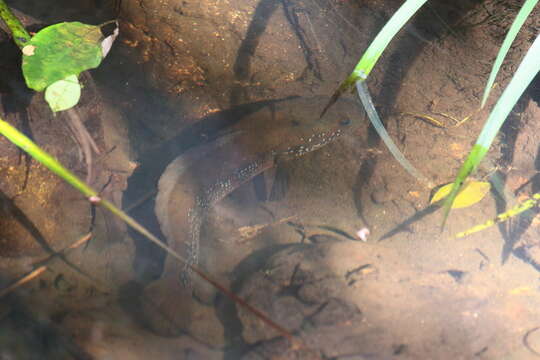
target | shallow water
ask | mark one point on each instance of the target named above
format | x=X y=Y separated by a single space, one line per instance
x=224 y=84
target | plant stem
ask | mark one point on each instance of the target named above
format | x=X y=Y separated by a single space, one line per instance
x=19 y=33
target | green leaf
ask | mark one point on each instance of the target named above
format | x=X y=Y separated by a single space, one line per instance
x=472 y=192
x=529 y=67
x=61 y=50
x=376 y=48
x=63 y=94
x=508 y=40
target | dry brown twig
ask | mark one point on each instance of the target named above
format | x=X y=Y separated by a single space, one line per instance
x=41 y=269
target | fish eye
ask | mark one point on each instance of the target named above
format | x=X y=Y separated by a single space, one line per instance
x=345 y=122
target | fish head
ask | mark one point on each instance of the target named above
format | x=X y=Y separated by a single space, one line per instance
x=304 y=131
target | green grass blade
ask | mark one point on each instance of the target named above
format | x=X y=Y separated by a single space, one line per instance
x=19 y=139
x=383 y=38
x=19 y=33
x=509 y=39
x=526 y=72
x=363 y=93
x=471 y=163
x=376 y=48
x=43 y=157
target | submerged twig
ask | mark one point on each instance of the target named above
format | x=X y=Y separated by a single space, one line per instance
x=32 y=275
x=248 y=232
x=39 y=270
x=85 y=141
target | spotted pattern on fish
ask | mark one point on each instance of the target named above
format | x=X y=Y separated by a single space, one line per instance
x=202 y=203
x=313 y=143
x=223 y=187
x=262 y=138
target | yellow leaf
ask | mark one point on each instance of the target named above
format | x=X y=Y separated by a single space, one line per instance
x=471 y=193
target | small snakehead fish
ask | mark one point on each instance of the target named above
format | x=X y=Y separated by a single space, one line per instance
x=199 y=178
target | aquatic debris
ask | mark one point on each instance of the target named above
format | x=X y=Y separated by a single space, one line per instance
x=41 y=269
x=363 y=234
x=94 y=200
x=249 y=232
x=32 y=275
x=429 y=119
x=472 y=192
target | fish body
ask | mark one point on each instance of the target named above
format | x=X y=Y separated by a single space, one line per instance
x=199 y=178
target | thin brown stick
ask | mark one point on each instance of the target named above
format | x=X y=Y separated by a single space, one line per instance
x=295 y=342
x=38 y=271
x=140 y=201
x=75 y=245
x=79 y=242
x=32 y=275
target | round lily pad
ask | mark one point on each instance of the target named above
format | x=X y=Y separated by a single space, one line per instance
x=59 y=51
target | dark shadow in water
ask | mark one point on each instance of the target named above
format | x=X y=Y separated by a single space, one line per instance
x=15 y=96
x=24 y=335
x=226 y=309
x=513 y=229
x=523 y=221
x=256 y=29
x=312 y=63
x=60 y=11
x=534 y=89
x=510 y=131
x=262 y=14
x=10 y=209
x=419 y=215
x=522 y=253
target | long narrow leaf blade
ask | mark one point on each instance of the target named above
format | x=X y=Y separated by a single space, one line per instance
x=508 y=40
x=376 y=48
x=526 y=72
x=363 y=93
x=50 y=162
